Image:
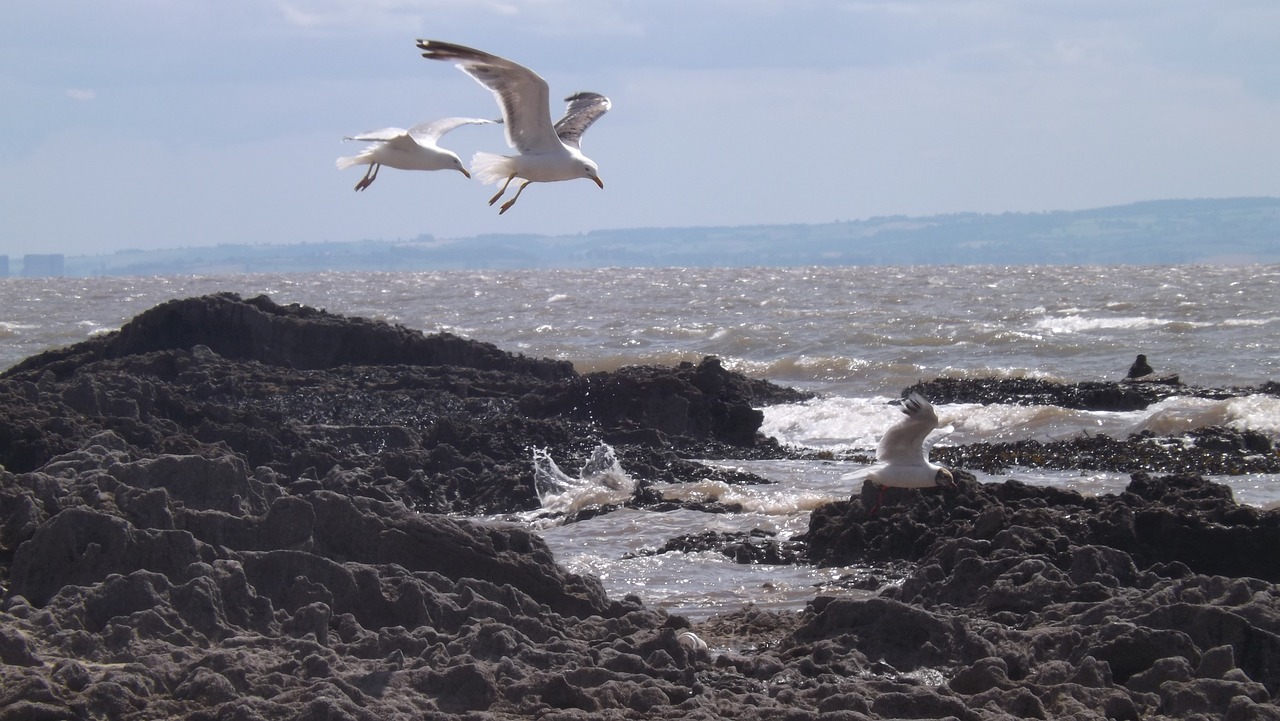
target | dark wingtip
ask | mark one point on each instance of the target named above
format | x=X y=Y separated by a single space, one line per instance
x=440 y=50
x=435 y=50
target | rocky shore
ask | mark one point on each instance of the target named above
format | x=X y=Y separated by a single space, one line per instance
x=231 y=509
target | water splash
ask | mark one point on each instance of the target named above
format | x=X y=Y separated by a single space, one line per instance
x=600 y=481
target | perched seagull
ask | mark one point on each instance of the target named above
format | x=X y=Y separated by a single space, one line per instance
x=412 y=149
x=900 y=458
x=547 y=152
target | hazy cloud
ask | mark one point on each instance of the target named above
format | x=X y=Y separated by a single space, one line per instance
x=217 y=121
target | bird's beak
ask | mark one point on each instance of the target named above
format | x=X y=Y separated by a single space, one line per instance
x=464 y=172
x=599 y=182
x=945 y=479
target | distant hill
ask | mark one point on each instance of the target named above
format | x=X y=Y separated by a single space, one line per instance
x=1163 y=232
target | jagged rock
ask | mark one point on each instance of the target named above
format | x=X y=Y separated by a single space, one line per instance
x=754 y=546
x=1170 y=519
x=1083 y=395
x=197 y=526
x=366 y=408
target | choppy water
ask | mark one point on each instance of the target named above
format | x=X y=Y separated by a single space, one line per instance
x=856 y=335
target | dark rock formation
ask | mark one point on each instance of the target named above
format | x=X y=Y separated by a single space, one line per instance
x=217 y=514
x=1085 y=395
x=1172 y=519
x=1212 y=451
x=755 y=546
x=291 y=336
x=353 y=406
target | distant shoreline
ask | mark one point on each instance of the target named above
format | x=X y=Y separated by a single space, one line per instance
x=1236 y=231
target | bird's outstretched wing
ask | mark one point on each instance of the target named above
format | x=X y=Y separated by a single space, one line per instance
x=584 y=109
x=902 y=443
x=521 y=93
x=380 y=134
x=433 y=129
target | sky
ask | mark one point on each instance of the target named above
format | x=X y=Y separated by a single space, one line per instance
x=142 y=124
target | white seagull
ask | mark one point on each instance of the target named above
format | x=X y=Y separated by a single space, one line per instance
x=412 y=149
x=900 y=458
x=547 y=152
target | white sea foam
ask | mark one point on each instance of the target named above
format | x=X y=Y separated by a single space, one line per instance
x=1258 y=412
x=831 y=422
x=765 y=501
x=997 y=423
x=1084 y=324
x=839 y=423
x=1179 y=414
x=10 y=327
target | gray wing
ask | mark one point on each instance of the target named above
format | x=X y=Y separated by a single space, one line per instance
x=432 y=130
x=584 y=109
x=380 y=134
x=902 y=444
x=521 y=93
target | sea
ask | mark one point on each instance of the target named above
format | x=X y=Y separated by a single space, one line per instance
x=856 y=336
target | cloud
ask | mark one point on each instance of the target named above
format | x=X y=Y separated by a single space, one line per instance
x=542 y=17
x=81 y=94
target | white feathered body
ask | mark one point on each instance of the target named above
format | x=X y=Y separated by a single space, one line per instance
x=901 y=461
x=924 y=475
x=492 y=168
x=412 y=149
x=403 y=153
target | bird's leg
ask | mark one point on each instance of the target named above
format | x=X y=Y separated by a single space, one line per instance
x=369 y=176
x=494 y=199
x=879 y=499
x=507 y=205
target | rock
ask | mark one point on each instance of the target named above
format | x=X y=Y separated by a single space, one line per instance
x=231 y=509
x=437 y=422
x=15 y=650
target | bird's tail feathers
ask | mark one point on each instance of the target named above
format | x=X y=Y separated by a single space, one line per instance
x=859 y=475
x=347 y=161
x=361 y=158
x=490 y=168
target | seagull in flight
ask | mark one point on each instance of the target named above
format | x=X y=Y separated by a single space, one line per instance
x=412 y=149
x=900 y=458
x=547 y=153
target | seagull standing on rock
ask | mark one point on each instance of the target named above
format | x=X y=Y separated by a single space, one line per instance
x=547 y=153
x=412 y=149
x=900 y=458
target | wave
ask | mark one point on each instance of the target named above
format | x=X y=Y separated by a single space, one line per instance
x=1178 y=415
x=764 y=500
x=856 y=424
x=1084 y=324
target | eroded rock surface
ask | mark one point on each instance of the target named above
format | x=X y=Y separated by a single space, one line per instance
x=218 y=513
x=438 y=422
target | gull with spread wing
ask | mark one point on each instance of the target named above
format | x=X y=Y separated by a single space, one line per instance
x=900 y=458
x=412 y=149
x=547 y=153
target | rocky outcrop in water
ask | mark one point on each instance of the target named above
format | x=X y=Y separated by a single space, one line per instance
x=441 y=423
x=1085 y=395
x=1214 y=450
x=218 y=513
